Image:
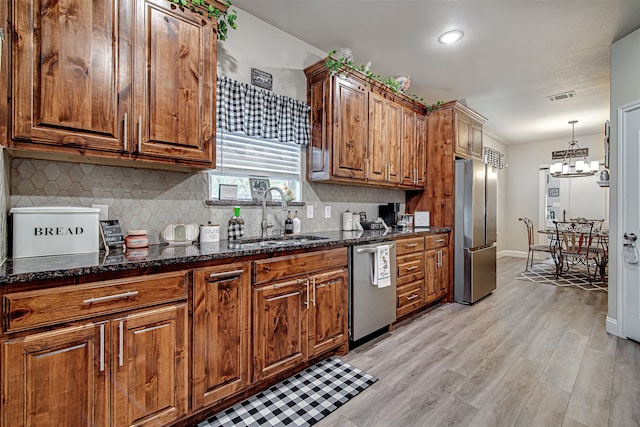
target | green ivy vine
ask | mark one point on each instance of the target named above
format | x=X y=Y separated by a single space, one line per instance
x=334 y=65
x=226 y=19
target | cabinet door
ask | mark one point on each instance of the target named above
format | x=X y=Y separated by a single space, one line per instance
x=463 y=135
x=421 y=149
x=408 y=147
x=280 y=316
x=67 y=77
x=377 y=147
x=443 y=272
x=150 y=367
x=393 y=142
x=431 y=275
x=221 y=316
x=328 y=318
x=350 y=130
x=57 y=378
x=175 y=76
x=476 y=140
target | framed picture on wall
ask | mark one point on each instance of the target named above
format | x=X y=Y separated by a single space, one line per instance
x=258 y=186
x=554 y=192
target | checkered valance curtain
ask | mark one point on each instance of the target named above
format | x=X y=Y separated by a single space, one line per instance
x=257 y=112
x=493 y=157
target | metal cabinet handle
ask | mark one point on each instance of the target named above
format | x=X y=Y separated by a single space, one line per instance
x=313 y=286
x=232 y=273
x=412 y=268
x=410 y=245
x=439 y=240
x=366 y=170
x=126 y=131
x=139 y=134
x=102 y=347
x=111 y=297
x=121 y=343
x=439 y=263
x=307 y=285
x=413 y=296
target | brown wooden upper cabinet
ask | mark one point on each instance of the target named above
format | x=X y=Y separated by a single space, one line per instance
x=115 y=80
x=362 y=132
x=468 y=138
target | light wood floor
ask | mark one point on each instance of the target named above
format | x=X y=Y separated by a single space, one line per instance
x=527 y=355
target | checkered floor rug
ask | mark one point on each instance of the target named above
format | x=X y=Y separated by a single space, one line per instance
x=301 y=400
x=576 y=276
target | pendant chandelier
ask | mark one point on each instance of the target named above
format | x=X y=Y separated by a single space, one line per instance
x=574 y=163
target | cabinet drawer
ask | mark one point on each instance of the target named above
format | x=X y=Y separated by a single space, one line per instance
x=30 y=309
x=408 y=298
x=293 y=265
x=437 y=241
x=410 y=268
x=412 y=244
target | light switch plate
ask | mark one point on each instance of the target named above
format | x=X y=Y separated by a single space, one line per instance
x=309 y=211
x=327 y=211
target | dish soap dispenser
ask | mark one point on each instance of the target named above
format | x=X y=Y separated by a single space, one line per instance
x=288 y=224
x=236 y=225
x=296 y=223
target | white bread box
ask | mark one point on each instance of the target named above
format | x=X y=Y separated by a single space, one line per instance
x=39 y=231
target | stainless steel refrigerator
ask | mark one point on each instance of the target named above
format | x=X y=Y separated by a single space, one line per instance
x=474 y=230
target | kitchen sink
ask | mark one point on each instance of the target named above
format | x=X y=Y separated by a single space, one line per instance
x=274 y=242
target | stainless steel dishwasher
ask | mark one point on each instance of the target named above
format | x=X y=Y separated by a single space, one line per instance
x=370 y=307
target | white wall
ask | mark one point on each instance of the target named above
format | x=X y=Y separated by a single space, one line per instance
x=522 y=177
x=260 y=45
x=625 y=88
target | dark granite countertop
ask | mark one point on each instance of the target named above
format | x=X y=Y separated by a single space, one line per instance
x=18 y=270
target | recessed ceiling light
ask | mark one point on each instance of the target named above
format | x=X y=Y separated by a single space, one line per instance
x=450 y=36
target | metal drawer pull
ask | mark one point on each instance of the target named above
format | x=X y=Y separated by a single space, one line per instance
x=102 y=347
x=410 y=245
x=439 y=240
x=139 y=134
x=120 y=343
x=126 y=131
x=225 y=274
x=313 y=284
x=111 y=297
x=412 y=268
x=414 y=296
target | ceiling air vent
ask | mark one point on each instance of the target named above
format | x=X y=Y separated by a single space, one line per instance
x=563 y=95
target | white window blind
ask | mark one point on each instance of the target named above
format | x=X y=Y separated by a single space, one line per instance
x=240 y=154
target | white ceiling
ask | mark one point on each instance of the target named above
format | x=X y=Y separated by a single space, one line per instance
x=514 y=53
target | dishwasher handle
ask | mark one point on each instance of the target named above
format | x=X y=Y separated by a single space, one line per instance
x=371 y=250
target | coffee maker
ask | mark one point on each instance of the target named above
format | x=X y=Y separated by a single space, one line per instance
x=389 y=213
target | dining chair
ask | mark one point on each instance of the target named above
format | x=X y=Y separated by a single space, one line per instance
x=575 y=245
x=533 y=248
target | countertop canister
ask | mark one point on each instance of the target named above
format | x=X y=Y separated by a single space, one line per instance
x=209 y=233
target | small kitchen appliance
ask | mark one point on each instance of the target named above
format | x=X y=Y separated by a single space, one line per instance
x=389 y=213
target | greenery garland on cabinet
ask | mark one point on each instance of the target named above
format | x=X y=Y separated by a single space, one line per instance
x=226 y=19
x=334 y=65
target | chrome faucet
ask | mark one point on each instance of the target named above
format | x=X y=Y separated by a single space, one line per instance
x=265 y=224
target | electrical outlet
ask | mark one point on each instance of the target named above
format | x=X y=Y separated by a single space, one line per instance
x=327 y=211
x=104 y=212
x=309 y=211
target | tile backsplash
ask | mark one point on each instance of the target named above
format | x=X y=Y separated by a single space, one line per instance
x=151 y=199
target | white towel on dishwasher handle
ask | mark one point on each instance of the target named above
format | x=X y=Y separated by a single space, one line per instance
x=381 y=267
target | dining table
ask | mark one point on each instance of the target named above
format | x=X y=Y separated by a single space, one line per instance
x=600 y=239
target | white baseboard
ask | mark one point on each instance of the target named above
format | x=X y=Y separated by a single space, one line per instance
x=611 y=326
x=506 y=252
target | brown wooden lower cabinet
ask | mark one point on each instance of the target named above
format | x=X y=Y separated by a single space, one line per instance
x=297 y=319
x=67 y=377
x=221 y=332
x=422 y=271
